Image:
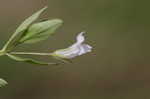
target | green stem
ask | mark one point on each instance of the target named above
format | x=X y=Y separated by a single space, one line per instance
x=9 y=41
x=31 y=53
x=2 y=52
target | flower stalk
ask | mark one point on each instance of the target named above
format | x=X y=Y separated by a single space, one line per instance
x=30 y=53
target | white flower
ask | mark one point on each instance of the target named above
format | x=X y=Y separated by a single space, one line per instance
x=74 y=50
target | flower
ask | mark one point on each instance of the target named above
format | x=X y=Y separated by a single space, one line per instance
x=77 y=49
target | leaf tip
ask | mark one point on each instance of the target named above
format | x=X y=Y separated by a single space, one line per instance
x=45 y=7
x=57 y=22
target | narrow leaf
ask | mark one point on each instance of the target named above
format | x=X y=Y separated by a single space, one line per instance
x=40 y=31
x=24 y=26
x=28 y=60
x=29 y=20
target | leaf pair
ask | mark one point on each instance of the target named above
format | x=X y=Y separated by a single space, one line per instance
x=28 y=33
x=32 y=33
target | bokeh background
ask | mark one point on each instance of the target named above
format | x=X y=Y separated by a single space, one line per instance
x=118 y=67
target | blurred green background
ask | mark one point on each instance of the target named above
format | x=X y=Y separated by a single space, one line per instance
x=118 y=67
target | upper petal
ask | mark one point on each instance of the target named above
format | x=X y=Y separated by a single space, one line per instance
x=80 y=38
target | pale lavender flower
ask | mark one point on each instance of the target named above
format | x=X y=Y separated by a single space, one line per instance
x=77 y=49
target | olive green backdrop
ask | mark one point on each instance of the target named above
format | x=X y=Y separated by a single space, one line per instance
x=118 y=67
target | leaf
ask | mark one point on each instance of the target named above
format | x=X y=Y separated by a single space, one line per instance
x=40 y=31
x=29 y=21
x=24 y=26
x=28 y=60
x=3 y=82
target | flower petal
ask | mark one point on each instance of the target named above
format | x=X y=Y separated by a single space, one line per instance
x=80 y=38
x=70 y=52
x=84 y=48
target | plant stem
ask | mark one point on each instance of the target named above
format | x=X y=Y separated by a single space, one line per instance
x=31 y=53
x=9 y=41
x=2 y=52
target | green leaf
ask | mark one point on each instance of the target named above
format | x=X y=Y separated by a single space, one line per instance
x=29 y=21
x=40 y=31
x=24 y=26
x=3 y=82
x=28 y=60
